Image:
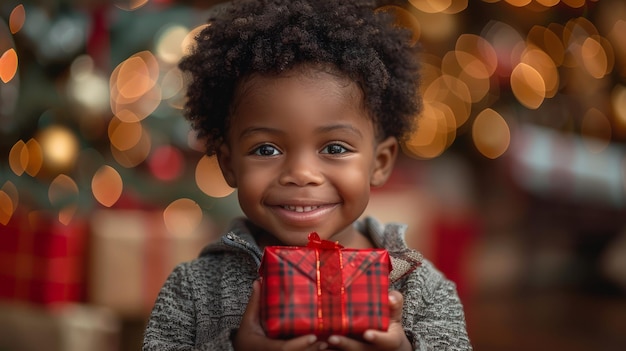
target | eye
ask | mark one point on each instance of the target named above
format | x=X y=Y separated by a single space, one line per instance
x=266 y=150
x=334 y=149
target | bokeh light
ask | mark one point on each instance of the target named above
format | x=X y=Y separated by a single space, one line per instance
x=107 y=186
x=134 y=92
x=9 y=200
x=491 y=134
x=528 y=86
x=130 y=5
x=210 y=179
x=166 y=163
x=169 y=43
x=182 y=217
x=404 y=19
x=59 y=146
x=8 y=65
x=17 y=18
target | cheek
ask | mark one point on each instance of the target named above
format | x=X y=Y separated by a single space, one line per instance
x=354 y=184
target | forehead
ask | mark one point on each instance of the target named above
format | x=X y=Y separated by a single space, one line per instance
x=321 y=83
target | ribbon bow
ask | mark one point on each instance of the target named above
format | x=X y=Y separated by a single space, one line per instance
x=315 y=242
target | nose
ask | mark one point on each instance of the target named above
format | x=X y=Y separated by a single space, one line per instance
x=301 y=170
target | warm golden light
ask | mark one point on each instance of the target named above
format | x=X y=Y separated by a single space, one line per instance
x=134 y=92
x=9 y=199
x=482 y=55
x=543 y=64
x=618 y=102
x=18 y=157
x=17 y=18
x=519 y=3
x=574 y=3
x=182 y=217
x=437 y=26
x=87 y=86
x=7 y=207
x=169 y=46
x=11 y=191
x=135 y=155
x=491 y=134
x=548 y=3
x=436 y=130
x=594 y=58
x=404 y=19
x=172 y=84
x=8 y=65
x=107 y=186
x=528 y=86
x=189 y=42
x=134 y=78
x=35 y=157
x=209 y=178
x=59 y=146
x=124 y=136
x=439 y=6
x=452 y=92
x=130 y=5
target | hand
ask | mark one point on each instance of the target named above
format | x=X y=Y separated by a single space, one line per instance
x=251 y=335
x=394 y=339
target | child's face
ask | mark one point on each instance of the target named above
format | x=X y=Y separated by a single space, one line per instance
x=303 y=154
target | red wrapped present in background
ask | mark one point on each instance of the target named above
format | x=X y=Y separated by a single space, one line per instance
x=42 y=260
x=324 y=289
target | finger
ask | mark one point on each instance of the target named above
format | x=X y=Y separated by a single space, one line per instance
x=394 y=336
x=396 y=301
x=344 y=343
x=306 y=342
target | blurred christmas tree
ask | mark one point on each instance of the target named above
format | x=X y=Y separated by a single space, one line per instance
x=91 y=98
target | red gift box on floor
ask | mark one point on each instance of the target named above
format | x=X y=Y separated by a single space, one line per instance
x=324 y=289
x=41 y=260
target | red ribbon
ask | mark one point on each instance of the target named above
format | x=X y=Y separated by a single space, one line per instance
x=329 y=269
x=315 y=242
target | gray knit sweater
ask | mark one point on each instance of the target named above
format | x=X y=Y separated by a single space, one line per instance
x=202 y=301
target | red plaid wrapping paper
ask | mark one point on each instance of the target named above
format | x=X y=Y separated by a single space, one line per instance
x=41 y=260
x=324 y=289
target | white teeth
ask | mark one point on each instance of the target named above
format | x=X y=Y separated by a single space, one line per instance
x=300 y=208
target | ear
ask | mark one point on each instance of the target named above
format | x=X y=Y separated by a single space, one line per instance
x=225 y=161
x=384 y=159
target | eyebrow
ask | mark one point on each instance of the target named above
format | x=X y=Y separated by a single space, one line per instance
x=254 y=130
x=347 y=127
x=324 y=129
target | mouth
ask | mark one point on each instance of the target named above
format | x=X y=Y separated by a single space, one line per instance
x=300 y=209
x=304 y=215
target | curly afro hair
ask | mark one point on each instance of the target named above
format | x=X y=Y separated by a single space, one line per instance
x=273 y=36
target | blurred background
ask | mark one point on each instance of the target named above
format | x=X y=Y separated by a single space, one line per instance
x=514 y=184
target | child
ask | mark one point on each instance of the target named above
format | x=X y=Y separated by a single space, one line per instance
x=303 y=102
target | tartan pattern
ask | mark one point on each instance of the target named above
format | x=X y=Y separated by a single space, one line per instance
x=41 y=260
x=324 y=291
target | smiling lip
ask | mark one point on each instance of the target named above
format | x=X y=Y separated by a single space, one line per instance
x=303 y=215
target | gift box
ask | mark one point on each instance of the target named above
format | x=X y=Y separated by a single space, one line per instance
x=132 y=253
x=42 y=260
x=324 y=289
